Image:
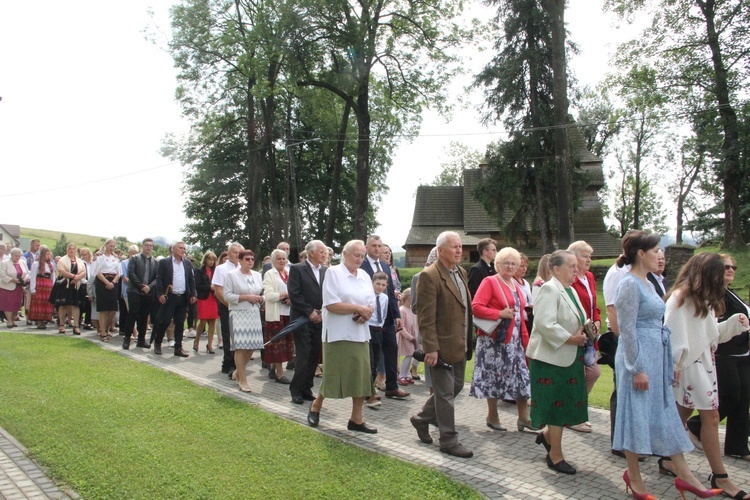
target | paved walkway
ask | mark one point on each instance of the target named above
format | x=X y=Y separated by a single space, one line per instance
x=505 y=465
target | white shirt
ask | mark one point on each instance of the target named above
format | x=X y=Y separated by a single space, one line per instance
x=49 y=268
x=383 y=310
x=178 y=277
x=611 y=282
x=375 y=267
x=220 y=273
x=340 y=286
x=315 y=270
x=107 y=264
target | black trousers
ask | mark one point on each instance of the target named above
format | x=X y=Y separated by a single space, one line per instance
x=376 y=349
x=174 y=309
x=123 y=308
x=390 y=356
x=307 y=347
x=227 y=363
x=140 y=307
x=733 y=377
x=192 y=313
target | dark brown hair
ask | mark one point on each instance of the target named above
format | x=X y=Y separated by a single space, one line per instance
x=635 y=240
x=484 y=243
x=245 y=253
x=701 y=283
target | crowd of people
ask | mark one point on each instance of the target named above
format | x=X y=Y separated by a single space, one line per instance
x=682 y=349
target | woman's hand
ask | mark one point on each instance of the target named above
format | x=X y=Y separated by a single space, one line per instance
x=640 y=382
x=109 y=285
x=743 y=321
x=578 y=338
x=365 y=312
x=507 y=313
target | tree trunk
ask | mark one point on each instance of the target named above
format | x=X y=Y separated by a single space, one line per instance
x=255 y=171
x=639 y=140
x=362 y=111
x=333 y=206
x=731 y=169
x=556 y=10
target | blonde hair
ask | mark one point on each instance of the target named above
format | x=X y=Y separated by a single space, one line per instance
x=406 y=297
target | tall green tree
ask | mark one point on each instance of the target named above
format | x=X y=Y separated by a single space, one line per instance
x=460 y=157
x=701 y=44
x=405 y=39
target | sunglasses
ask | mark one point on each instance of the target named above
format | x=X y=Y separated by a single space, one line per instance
x=248 y=259
x=727 y=267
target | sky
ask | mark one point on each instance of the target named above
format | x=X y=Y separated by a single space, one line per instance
x=87 y=101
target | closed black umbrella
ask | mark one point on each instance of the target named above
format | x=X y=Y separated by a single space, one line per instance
x=292 y=327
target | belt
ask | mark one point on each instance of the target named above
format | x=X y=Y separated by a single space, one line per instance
x=376 y=328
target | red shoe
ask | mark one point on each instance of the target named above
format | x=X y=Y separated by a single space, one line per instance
x=683 y=486
x=636 y=495
x=403 y=381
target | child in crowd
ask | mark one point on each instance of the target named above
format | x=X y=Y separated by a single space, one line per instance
x=379 y=285
x=407 y=338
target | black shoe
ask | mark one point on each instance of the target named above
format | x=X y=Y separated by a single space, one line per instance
x=313 y=417
x=297 y=399
x=457 y=450
x=272 y=374
x=157 y=350
x=540 y=439
x=181 y=353
x=621 y=454
x=308 y=396
x=230 y=374
x=562 y=466
x=423 y=430
x=126 y=343
x=283 y=380
x=144 y=345
x=363 y=427
x=290 y=365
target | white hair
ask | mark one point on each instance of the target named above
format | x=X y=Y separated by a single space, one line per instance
x=313 y=246
x=235 y=244
x=442 y=238
x=276 y=252
x=350 y=244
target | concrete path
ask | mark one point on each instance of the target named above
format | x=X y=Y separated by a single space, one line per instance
x=505 y=465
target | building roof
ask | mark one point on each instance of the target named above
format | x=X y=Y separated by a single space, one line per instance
x=439 y=206
x=12 y=229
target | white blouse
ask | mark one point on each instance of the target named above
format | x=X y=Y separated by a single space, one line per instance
x=107 y=264
x=341 y=286
x=50 y=268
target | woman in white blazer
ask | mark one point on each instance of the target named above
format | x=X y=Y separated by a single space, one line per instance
x=558 y=383
x=278 y=307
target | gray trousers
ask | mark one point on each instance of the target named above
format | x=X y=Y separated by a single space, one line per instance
x=439 y=408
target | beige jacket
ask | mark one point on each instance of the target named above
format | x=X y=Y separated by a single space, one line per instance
x=8 y=273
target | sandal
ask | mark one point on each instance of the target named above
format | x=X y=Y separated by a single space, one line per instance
x=104 y=338
x=62 y=330
x=664 y=470
x=76 y=331
x=740 y=495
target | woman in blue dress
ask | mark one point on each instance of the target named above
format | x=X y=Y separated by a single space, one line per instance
x=647 y=421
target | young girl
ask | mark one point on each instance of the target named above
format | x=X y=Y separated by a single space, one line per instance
x=407 y=337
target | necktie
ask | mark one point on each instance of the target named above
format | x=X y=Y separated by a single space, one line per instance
x=377 y=264
x=377 y=306
x=148 y=269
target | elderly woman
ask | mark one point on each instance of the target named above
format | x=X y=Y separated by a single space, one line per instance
x=348 y=303
x=500 y=370
x=208 y=308
x=693 y=306
x=585 y=288
x=71 y=272
x=277 y=317
x=645 y=373
x=733 y=376
x=14 y=273
x=107 y=271
x=243 y=289
x=41 y=279
x=556 y=366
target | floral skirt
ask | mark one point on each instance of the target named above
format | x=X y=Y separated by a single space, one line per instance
x=41 y=309
x=500 y=370
x=558 y=393
x=283 y=349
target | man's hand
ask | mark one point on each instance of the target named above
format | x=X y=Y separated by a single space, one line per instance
x=145 y=289
x=315 y=317
x=193 y=300
x=162 y=299
x=399 y=324
x=430 y=358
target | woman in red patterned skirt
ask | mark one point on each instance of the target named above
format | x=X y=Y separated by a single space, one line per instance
x=41 y=279
x=277 y=317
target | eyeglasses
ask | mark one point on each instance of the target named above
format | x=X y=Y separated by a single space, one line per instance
x=509 y=264
x=248 y=259
x=727 y=267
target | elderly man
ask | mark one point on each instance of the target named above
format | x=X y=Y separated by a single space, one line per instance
x=175 y=289
x=444 y=318
x=487 y=248
x=305 y=289
x=220 y=274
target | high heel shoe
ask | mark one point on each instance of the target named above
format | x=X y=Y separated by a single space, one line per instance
x=210 y=351
x=195 y=346
x=664 y=470
x=714 y=476
x=540 y=439
x=523 y=425
x=683 y=486
x=636 y=495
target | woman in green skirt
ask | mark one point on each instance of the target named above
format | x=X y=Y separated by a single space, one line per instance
x=348 y=303
x=558 y=383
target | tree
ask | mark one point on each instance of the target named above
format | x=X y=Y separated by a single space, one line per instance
x=460 y=157
x=701 y=44
x=599 y=119
x=406 y=39
x=652 y=215
x=61 y=247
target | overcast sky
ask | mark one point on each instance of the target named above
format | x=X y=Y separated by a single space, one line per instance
x=87 y=101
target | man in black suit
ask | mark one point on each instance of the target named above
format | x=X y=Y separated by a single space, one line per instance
x=141 y=292
x=305 y=287
x=657 y=278
x=175 y=272
x=389 y=346
x=487 y=249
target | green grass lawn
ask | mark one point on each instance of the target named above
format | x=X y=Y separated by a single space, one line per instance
x=110 y=427
x=50 y=238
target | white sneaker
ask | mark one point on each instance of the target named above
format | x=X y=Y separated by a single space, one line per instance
x=204 y=334
x=191 y=334
x=171 y=343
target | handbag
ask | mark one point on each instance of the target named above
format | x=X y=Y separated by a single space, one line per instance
x=590 y=330
x=496 y=329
